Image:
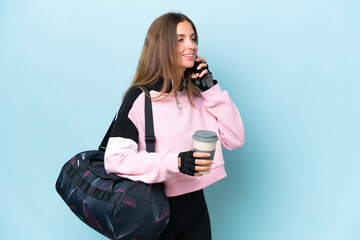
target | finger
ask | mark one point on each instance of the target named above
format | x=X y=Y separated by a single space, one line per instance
x=200 y=59
x=202 y=65
x=195 y=75
x=203 y=73
x=201 y=154
x=202 y=168
x=202 y=162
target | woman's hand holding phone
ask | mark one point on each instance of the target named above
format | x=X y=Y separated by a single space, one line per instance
x=202 y=77
x=200 y=68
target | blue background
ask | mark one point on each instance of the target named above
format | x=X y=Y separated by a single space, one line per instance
x=291 y=67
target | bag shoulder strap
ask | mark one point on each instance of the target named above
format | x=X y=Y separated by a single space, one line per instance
x=149 y=123
x=149 y=126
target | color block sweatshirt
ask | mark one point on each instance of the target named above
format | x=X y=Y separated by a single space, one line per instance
x=126 y=154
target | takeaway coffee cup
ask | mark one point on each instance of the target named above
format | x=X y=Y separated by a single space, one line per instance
x=205 y=141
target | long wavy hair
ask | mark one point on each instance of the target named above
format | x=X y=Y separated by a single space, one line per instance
x=160 y=57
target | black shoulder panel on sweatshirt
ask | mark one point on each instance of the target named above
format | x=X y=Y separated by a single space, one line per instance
x=123 y=126
x=129 y=100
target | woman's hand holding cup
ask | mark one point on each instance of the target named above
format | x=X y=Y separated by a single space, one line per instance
x=198 y=161
x=191 y=163
x=202 y=164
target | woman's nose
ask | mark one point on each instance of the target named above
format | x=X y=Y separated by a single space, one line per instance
x=190 y=44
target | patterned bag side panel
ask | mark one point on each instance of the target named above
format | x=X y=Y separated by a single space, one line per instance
x=141 y=213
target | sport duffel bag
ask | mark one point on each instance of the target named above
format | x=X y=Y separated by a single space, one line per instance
x=116 y=207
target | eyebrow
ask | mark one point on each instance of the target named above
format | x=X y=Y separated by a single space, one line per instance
x=183 y=35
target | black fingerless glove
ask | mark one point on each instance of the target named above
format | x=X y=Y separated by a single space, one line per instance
x=205 y=82
x=187 y=163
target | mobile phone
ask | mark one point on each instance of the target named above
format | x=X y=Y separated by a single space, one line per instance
x=196 y=64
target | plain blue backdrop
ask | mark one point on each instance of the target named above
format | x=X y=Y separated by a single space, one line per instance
x=291 y=67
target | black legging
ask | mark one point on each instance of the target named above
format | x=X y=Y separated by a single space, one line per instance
x=189 y=218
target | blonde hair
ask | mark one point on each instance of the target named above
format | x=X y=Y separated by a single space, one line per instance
x=160 y=57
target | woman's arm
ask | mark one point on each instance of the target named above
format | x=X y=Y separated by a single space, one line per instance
x=219 y=104
x=122 y=156
x=231 y=128
x=139 y=166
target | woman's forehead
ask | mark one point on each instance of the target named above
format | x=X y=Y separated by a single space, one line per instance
x=184 y=28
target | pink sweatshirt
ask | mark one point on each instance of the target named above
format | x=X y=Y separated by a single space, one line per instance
x=126 y=153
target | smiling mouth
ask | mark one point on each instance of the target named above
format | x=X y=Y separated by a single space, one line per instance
x=189 y=56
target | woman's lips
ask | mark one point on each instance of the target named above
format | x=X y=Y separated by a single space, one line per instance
x=189 y=56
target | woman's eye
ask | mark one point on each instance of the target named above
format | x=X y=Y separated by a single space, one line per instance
x=180 y=39
x=194 y=39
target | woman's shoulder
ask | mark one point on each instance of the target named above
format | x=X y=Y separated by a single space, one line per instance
x=129 y=99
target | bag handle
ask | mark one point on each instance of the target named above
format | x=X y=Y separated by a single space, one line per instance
x=108 y=176
x=149 y=126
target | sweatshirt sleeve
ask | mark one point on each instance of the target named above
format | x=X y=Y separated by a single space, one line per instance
x=122 y=156
x=231 y=128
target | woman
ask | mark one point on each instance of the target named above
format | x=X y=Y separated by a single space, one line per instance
x=183 y=102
